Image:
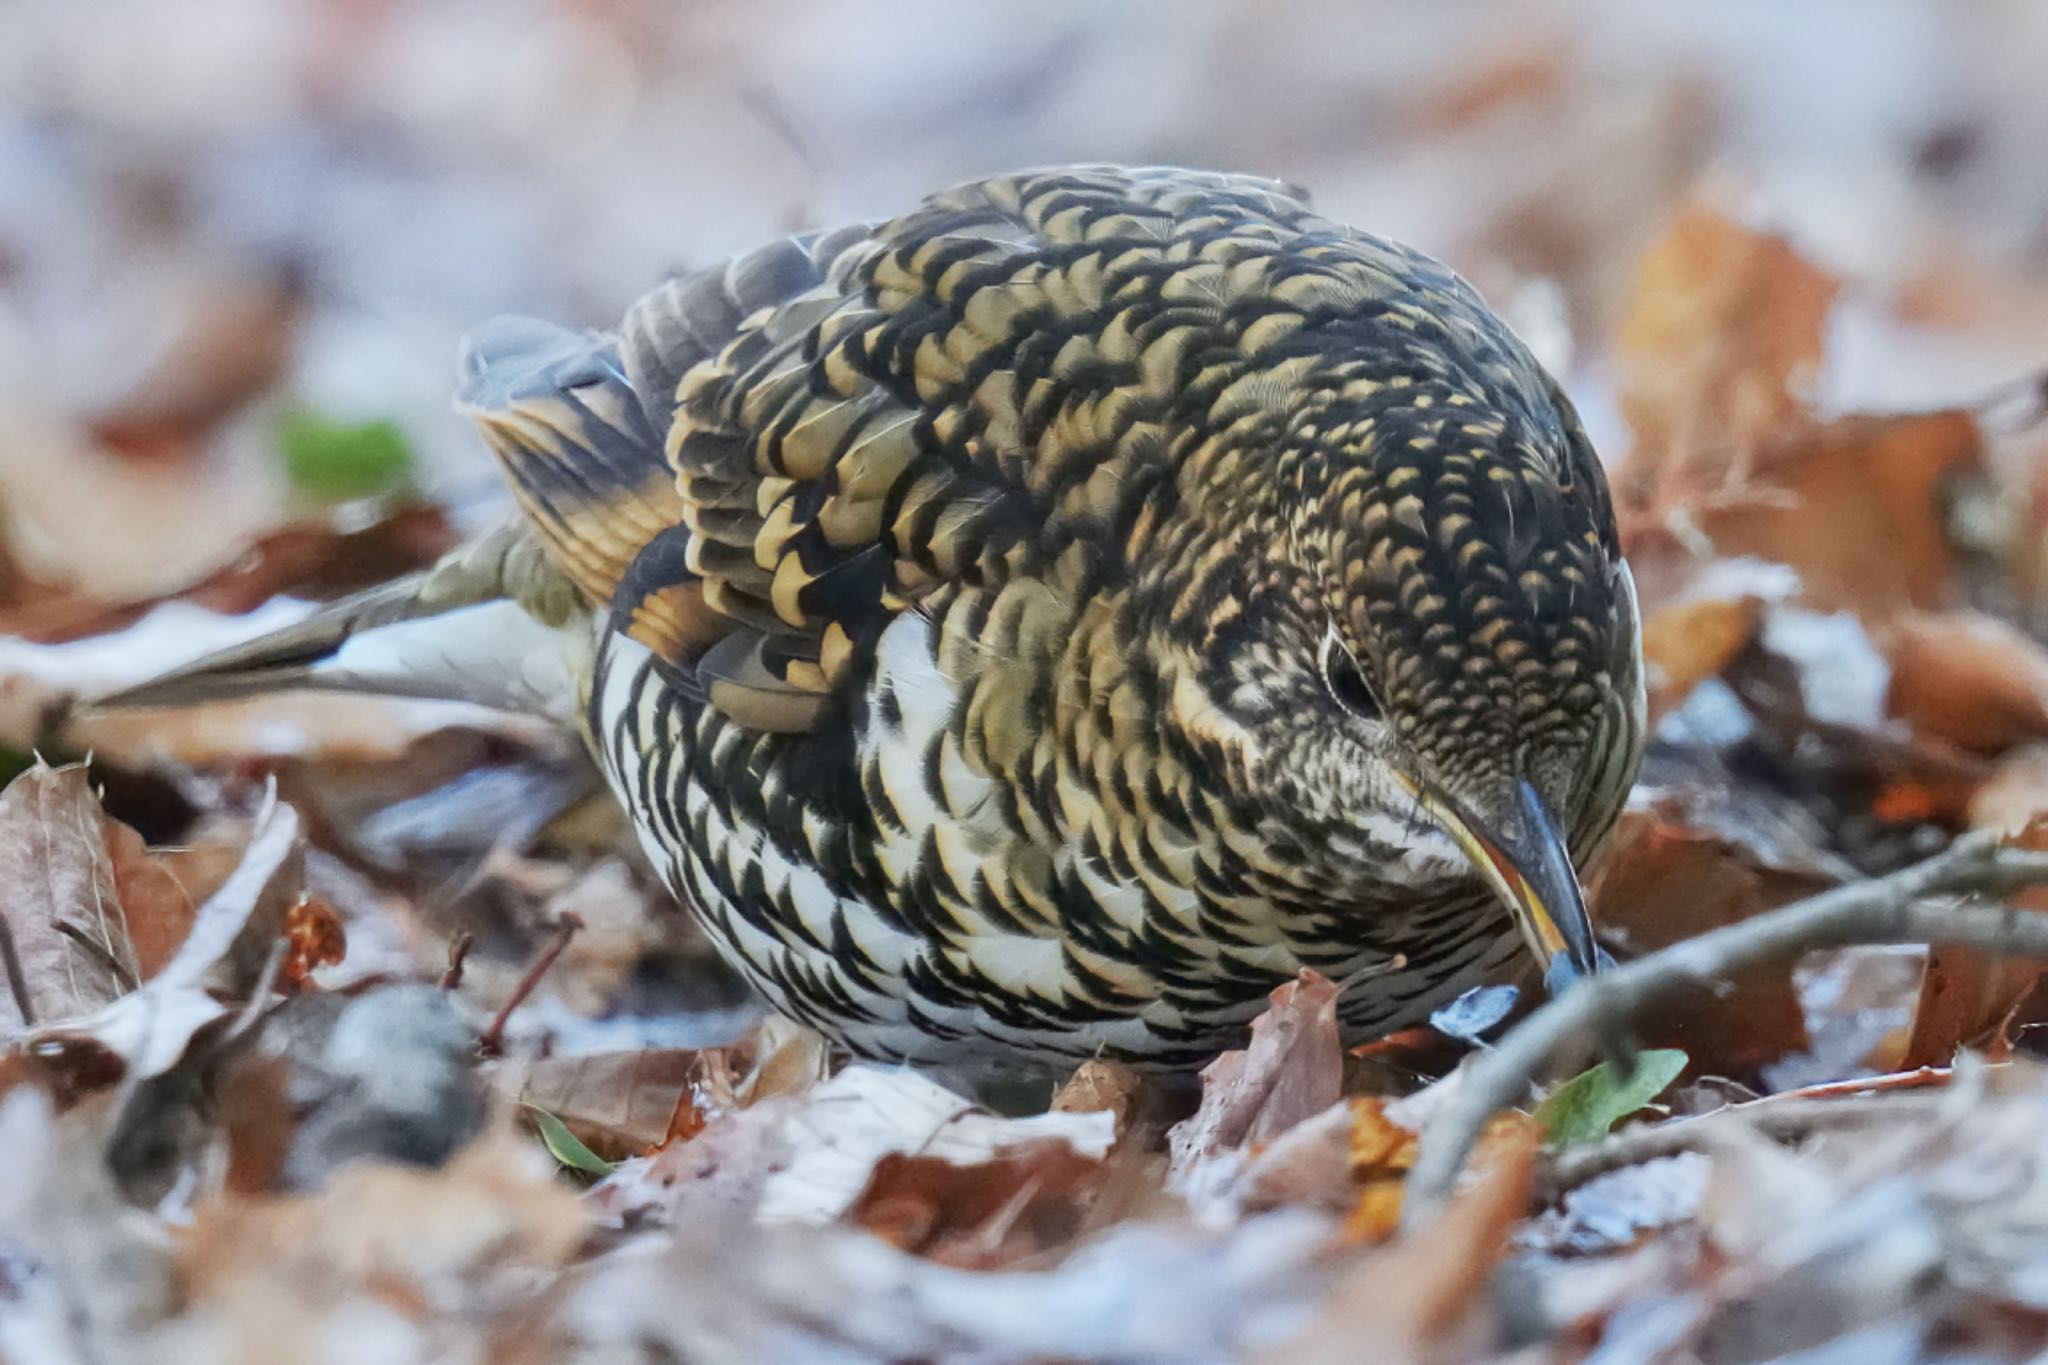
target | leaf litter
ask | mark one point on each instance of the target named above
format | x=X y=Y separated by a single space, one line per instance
x=245 y=1118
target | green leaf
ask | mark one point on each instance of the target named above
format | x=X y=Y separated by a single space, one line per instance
x=566 y=1147
x=336 y=461
x=1589 y=1104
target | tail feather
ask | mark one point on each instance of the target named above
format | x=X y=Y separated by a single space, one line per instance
x=508 y=620
x=557 y=409
x=494 y=624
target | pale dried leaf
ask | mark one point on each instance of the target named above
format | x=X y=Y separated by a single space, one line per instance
x=67 y=946
x=222 y=959
x=1292 y=1070
x=840 y=1129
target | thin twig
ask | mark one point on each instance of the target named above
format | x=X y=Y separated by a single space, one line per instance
x=458 y=958
x=1780 y=1117
x=492 y=1044
x=1917 y=1079
x=1882 y=910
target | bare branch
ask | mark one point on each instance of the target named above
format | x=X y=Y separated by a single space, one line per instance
x=1883 y=910
x=1801 y=1117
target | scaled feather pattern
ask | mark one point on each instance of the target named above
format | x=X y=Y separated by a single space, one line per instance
x=1020 y=629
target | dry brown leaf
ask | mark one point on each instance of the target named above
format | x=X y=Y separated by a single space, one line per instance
x=1686 y=643
x=1659 y=882
x=68 y=947
x=1968 y=998
x=619 y=1103
x=1019 y=1203
x=1855 y=508
x=143 y=1032
x=1292 y=1070
x=1724 y=330
x=1967 y=679
x=158 y=905
x=1099 y=1086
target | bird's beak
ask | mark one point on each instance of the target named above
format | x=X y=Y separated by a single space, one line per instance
x=1524 y=858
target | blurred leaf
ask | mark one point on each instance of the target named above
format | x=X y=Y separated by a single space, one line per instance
x=1589 y=1104
x=1018 y=1202
x=1476 y=1013
x=1725 y=329
x=336 y=461
x=566 y=1147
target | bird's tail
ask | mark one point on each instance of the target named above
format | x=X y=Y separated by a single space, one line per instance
x=494 y=623
x=504 y=620
x=507 y=620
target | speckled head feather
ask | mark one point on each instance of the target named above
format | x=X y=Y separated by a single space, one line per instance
x=1040 y=624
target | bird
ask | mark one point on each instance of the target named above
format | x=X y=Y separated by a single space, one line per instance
x=1037 y=626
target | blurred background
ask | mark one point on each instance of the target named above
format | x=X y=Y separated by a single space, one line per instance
x=239 y=239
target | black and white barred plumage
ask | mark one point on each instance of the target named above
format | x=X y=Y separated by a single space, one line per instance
x=1045 y=622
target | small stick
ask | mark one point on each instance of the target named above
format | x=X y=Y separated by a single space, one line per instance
x=458 y=957
x=1882 y=910
x=1864 y=1085
x=492 y=1044
x=1780 y=1117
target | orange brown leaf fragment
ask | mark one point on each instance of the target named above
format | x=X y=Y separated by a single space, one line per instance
x=314 y=938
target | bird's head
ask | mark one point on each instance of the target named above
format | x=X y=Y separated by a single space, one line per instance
x=1421 y=636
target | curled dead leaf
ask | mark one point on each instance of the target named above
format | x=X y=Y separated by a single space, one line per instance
x=1292 y=1070
x=64 y=934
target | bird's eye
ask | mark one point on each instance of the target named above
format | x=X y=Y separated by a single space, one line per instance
x=1345 y=679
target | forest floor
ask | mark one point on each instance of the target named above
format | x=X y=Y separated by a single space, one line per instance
x=352 y=1029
